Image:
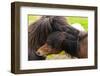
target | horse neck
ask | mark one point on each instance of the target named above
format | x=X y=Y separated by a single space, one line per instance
x=83 y=44
x=82 y=35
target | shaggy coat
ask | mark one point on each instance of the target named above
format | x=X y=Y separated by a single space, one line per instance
x=42 y=28
x=58 y=41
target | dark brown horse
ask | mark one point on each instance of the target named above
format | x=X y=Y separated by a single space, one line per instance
x=58 y=41
x=41 y=29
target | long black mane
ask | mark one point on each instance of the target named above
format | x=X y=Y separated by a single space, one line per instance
x=42 y=28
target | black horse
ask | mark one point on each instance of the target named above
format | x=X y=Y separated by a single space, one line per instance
x=42 y=28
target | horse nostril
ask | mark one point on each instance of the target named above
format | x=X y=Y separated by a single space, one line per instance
x=38 y=53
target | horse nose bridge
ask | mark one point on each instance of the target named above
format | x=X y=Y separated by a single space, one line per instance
x=44 y=47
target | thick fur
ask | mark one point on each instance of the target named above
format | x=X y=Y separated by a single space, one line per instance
x=58 y=41
x=41 y=29
x=63 y=41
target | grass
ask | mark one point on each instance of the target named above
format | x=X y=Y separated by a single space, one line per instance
x=81 y=20
x=32 y=19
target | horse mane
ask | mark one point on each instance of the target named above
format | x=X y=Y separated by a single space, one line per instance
x=39 y=31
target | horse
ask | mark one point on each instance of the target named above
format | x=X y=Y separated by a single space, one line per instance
x=58 y=41
x=41 y=29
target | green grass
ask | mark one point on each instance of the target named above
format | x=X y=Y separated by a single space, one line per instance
x=81 y=20
x=32 y=19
